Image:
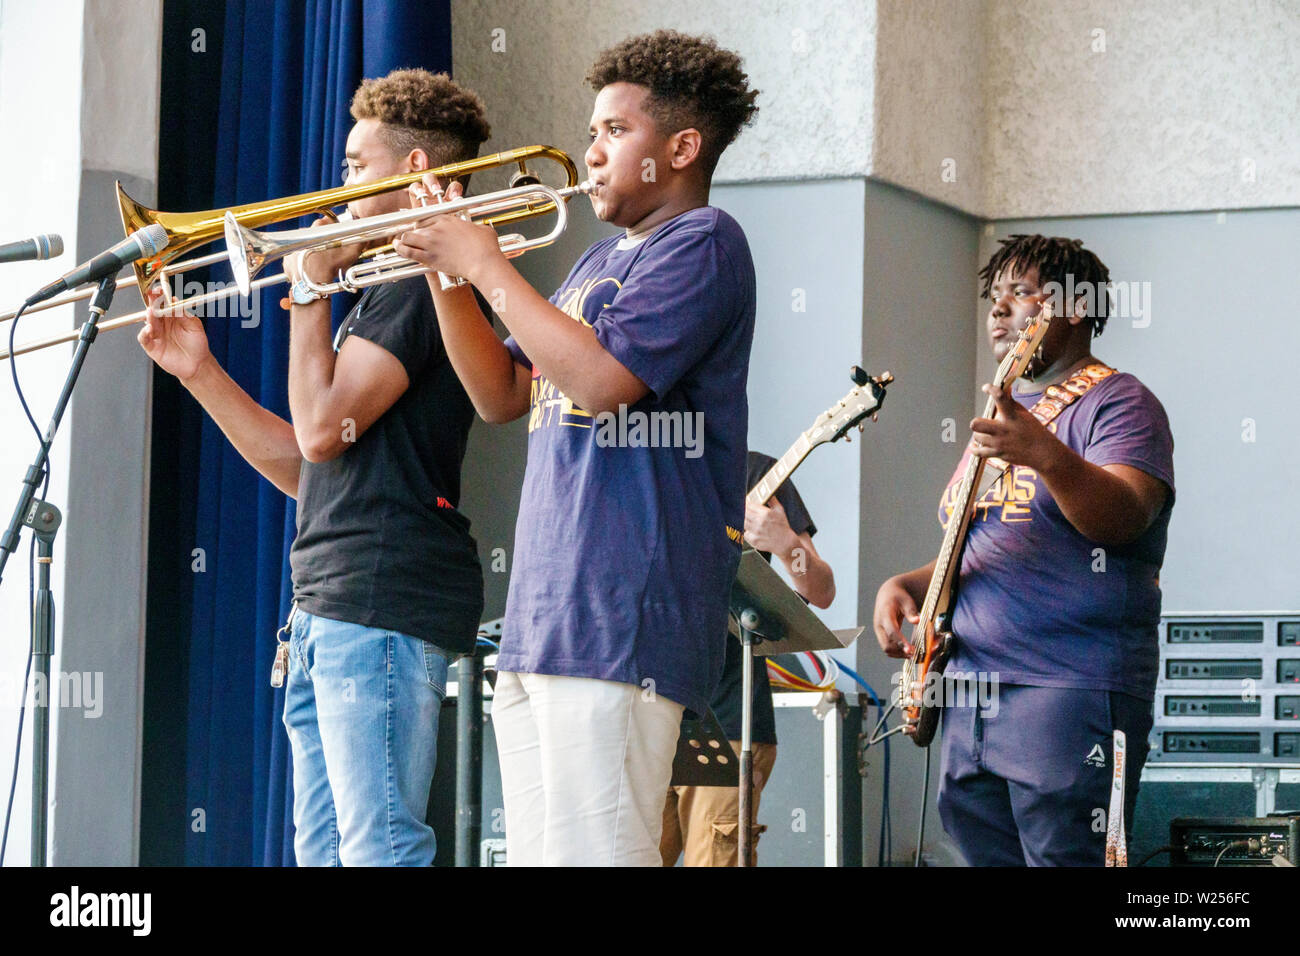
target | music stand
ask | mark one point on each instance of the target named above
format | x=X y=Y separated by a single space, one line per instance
x=768 y=612
x=704 y=755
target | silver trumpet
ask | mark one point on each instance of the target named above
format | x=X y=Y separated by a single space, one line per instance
x=251 y=251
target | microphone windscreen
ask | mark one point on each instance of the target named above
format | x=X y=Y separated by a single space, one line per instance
x=153 y=239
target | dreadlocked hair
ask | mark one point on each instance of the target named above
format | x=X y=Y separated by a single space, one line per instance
x=1055 y=260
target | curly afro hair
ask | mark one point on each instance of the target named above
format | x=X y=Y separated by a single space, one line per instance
x=423 y=110
x=1056 y=260
x=692 y=83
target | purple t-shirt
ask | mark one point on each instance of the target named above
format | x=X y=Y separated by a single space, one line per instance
x=626 y=542
x=1040 y=604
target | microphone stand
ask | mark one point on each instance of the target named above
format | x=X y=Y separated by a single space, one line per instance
x=44 y=520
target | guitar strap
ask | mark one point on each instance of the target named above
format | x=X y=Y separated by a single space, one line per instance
x=1116 y=841
x=1055 y=399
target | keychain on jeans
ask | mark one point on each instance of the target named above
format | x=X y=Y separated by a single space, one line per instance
x=281 y=666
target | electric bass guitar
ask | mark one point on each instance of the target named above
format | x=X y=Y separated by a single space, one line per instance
x=863 y=400
x=919 y=693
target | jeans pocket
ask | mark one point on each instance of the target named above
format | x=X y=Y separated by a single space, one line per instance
x=435 y=668
x=297 y=625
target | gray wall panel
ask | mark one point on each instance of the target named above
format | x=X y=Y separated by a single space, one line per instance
x=96 y=763
x=919 y=270
x=806 y=240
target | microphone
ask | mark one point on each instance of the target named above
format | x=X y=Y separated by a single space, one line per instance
x=141 y=244
x=38 y=247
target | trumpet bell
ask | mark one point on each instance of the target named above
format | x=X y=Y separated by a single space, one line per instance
x=249 y=252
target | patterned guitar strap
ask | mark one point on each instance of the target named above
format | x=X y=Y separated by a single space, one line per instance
x=1116 y=841
x=1055 y=399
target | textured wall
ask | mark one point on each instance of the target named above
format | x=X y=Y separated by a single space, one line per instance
x=811 y=65
x=119 y=31
x=929 y=99
x=1000 y=108
x=1192 y=105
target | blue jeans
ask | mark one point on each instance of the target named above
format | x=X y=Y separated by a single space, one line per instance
x=361 y=707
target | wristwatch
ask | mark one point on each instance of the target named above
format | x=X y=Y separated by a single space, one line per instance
x=303 y=294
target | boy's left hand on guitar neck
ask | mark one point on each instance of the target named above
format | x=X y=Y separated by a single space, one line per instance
x=1016 y=436
x=768 y=529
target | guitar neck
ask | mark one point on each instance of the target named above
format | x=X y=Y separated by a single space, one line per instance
x=777 y=475
x=945 y=567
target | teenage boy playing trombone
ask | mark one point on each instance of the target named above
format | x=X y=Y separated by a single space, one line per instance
x=386 y=581
x=624 y=553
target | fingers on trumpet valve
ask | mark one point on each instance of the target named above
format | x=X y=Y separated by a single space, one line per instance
x=426 y=191
x=419 y=194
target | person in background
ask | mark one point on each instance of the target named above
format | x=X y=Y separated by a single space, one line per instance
x=703 y=822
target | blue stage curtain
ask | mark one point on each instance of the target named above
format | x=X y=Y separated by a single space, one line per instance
x=286 y=74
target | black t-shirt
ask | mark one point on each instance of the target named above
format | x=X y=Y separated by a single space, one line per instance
x=380 y=542
x=727 y=698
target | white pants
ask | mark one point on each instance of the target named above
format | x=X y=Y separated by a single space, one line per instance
x=585 y=767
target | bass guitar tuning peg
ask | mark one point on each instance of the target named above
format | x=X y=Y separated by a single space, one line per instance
x=859 y=376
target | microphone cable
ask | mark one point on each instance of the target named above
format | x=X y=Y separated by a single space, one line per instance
x=31 y=590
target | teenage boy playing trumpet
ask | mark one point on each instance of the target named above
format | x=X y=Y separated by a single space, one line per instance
x=624 y=554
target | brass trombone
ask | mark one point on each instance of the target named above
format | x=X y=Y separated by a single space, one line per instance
x=526 y=198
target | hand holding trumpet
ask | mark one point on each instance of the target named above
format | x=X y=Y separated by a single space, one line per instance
x=448 y=244
x=321 y=265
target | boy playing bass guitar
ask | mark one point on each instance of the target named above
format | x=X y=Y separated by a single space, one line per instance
x=1058 y=595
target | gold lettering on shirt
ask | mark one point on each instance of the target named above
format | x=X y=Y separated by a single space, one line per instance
x=1008 y=498
x=550 y=407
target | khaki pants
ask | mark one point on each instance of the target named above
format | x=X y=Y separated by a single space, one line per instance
x=703 y=821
